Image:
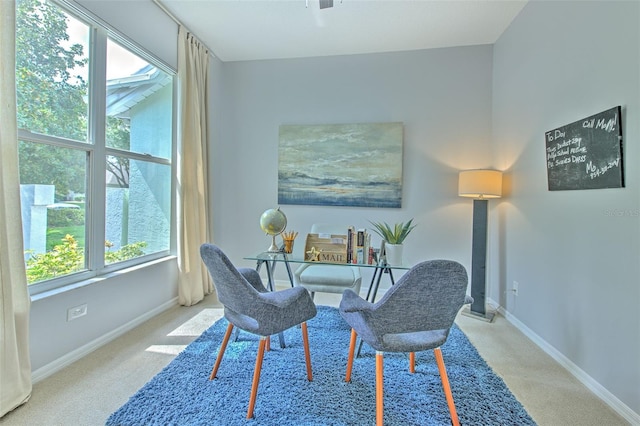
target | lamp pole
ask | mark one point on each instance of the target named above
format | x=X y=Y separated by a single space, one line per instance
x=479 y=259
x=479 y=185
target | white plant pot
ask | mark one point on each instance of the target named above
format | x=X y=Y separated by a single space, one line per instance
x=393 y=253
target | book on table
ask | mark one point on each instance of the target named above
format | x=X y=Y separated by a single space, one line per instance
x=353 y=247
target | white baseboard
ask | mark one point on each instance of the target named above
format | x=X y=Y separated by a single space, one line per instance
x=600 y=391
x=73 y=356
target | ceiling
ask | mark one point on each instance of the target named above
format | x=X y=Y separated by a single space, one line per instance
x=241 y=30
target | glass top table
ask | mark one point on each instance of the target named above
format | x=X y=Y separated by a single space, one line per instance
x=280 y=256
x=270 y=259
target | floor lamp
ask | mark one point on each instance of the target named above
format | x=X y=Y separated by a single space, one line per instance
x=479 y=185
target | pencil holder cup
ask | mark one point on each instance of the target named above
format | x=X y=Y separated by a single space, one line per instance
x=288 y=246
x=288 y=239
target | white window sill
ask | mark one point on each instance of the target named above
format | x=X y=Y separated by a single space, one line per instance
x=83 y=283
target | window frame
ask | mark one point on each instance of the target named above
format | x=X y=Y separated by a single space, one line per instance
x=97 y=153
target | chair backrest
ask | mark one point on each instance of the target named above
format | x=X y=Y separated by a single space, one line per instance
x=427 y=297
x=233 y=290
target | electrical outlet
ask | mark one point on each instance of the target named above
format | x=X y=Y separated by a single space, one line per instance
x=514 y=288
x=76 y=312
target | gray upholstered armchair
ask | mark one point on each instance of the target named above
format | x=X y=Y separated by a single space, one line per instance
x=414 y=315
x=250 y=307
x=328 y=278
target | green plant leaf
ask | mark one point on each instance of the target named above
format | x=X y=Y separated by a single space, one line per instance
x=395 y=234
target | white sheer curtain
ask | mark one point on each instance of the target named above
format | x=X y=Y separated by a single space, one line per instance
x=15 y=365
x=193 y=188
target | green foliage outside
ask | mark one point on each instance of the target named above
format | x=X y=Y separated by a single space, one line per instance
x=51 y=94
x=68 y=257
x=128 y=251
x=65 y=217
x=65 y=258
x=51 y=99
x=55 y=235
x=61 y=222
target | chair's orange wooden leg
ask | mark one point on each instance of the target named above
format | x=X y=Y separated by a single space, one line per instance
x=223 y=348
x=379 y=389
x=307 y=353
x=412 y=362
x=256 y=377
x=352 y=350
x=445 y=385
x=268 y=343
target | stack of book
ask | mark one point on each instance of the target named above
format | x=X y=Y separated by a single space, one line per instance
x=353 y=247
x=359 y=249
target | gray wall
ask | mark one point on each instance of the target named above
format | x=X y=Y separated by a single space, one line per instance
x=575 y=254
x=115 y=303
x=442 y=96
x=142 y=22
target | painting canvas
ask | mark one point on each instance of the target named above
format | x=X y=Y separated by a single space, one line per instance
x=341 y=165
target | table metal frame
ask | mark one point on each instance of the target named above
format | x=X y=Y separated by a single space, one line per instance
x=271 y=259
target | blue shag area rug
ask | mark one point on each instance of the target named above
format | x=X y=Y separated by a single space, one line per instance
x=182 y=393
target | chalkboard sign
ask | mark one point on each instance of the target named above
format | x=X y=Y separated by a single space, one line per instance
x=586 y=154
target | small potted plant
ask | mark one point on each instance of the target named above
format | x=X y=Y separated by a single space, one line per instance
x=393 y=238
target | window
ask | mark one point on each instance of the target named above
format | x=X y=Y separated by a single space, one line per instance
x=95 y=118
x=138 y=148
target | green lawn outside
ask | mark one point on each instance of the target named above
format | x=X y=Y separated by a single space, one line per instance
x=55 y=235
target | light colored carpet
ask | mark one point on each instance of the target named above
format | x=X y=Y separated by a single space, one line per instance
x=88 y=391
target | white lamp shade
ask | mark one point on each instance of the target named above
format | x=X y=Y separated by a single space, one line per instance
x=480 y=184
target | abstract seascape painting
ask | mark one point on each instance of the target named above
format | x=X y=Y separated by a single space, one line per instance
x=357 y=165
